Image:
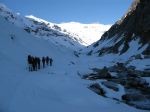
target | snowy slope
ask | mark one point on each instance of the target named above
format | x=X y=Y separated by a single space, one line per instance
x=57 y=88
x=89 y=33
x=106 y=50
x=42 y=29
x=71 y=34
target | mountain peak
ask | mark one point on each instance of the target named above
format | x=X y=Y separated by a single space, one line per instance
x=90 y=33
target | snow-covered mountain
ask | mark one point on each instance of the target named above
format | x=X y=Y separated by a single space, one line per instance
x=56 y=88
x=43 y=29
x=89 y=33
x=72 y=33
x=128 y=38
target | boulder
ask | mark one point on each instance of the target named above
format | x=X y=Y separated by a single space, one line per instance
x=136 y=82
x=111 y=85
x=97 y=89
x=138 y=56
x=100 y=74
x=133 y=97
x=104 y=73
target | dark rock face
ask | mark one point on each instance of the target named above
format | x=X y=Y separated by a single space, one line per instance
x=97 y=89
x=134 y=24
x=100 y=74
x=135 y=21
x=111 y=85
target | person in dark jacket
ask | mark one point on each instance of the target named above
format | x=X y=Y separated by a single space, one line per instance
x=39 y=61
x=30 y=62
x=34 y=63
x=43 y=61
x=47 y=60
x=50 y=61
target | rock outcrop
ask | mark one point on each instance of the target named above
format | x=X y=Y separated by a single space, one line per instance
x=134 y=25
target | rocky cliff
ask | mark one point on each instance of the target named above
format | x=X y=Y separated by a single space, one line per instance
x=133 y=25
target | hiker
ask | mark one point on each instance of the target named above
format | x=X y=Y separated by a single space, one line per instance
x=33 y=63
x=30 y=62
x=38 y=62
x=47 y=60
x=43 y=61
x=50 y=61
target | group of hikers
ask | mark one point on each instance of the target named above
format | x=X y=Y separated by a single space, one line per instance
x=34 y=62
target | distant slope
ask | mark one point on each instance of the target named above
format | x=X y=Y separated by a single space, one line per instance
x=89 y=33
x=42 y=29
x=73 y=35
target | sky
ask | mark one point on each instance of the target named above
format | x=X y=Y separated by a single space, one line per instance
x=83 y=11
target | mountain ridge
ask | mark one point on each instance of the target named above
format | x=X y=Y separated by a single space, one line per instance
x=43 y=29
x=133 y=25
